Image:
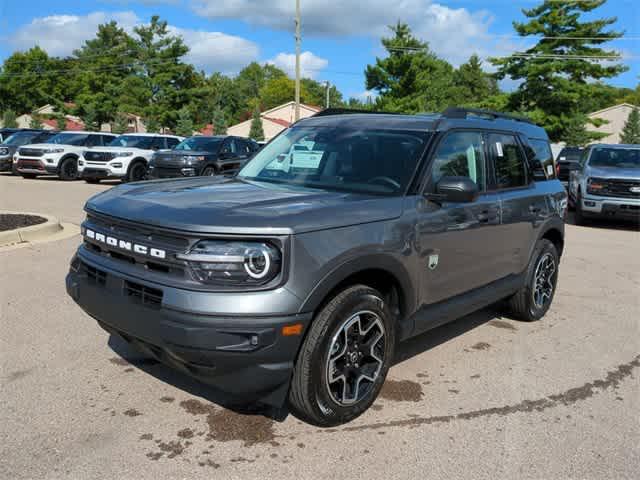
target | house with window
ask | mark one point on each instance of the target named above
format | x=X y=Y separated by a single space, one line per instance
x=274 y=120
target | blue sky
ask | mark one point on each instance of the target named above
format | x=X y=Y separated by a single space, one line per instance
x=340 y=37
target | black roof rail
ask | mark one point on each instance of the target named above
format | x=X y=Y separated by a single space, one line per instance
x=348 y=111
x=462 y=112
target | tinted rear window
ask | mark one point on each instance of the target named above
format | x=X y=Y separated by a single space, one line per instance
x=570 y=154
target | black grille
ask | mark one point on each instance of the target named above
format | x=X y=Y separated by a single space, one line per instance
x=151 y=297
x=99 y=156
x=31 y=152
x=164 y=172
x=94 y=275
x=618 y=188
x=30 y=165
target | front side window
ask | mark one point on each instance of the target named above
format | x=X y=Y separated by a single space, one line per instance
x=21 y=138
x=615 y=157
x=509 y=161
x=345 y=159
x=461 y=154
x=543 y=157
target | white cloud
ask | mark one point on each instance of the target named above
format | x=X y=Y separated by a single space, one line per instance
x=310 y=64
x=454 y=33
x=60 y=35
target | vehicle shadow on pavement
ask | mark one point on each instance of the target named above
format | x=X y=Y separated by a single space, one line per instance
x=406 y=350
x=610 y=224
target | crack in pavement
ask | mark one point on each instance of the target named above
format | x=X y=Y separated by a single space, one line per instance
x=568 y=397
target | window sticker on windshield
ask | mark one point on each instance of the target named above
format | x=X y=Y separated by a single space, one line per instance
x=549 y=170
x=499 y=149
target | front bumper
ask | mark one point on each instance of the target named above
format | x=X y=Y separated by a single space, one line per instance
x=173 y=171
x=611 y=207
x=6 y=163
x=245 y=356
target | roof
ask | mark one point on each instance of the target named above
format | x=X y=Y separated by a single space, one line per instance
x=613 y=107
x=88 y=133
x=71 y=125
x=431 y=122
x=302 y=105
x=621 y=146
x=279 y=121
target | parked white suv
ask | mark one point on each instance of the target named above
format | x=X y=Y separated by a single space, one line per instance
x=126 y=157
x=59 y=156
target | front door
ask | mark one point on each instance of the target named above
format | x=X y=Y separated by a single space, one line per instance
x=456 y=242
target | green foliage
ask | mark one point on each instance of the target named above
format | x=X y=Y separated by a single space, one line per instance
x=473 y=84
x=631 y=131
x=152 y=125
x=556 y=77
x=121 y=124
x=316 y=94
x=184 y=125
x=9 y=119
x=36 y=122
x=256 y=131
x=411 y=78
x=279 y=90
x=61 y=122
x=219 y=122
x=90 y=118
x=576 y=133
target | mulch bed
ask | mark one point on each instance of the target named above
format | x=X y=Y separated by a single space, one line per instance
x=11 y=221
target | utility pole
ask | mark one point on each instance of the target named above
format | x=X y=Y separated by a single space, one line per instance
x=298 y=39
x=328 y=85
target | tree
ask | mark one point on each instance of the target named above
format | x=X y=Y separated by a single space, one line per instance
x=473 y=84
x=152 y=125
x=256 y=131
x=631 y=130
x=9 y=119
x=61 y=122
x=184 y=125
x=35 y=122
x=219 y=122
x=557 y=74
x=89 y=117
x=316 y=94
x=280 y=90
x=411 y=78
x=121 y=124
x=576 y=133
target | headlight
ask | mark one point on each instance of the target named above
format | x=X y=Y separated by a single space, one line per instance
x=53 y=150
x=218 y=262
x=595 y=185
x=190 y=159
x=122 y=154
x=4 y=151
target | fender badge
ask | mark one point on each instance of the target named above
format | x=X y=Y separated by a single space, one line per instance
x=433 y=261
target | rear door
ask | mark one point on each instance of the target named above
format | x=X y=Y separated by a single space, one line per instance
x=524 y=207
x=457 y=241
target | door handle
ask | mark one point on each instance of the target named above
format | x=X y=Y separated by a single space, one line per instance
x=534 y=209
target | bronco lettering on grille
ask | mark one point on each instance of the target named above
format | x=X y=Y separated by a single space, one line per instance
x=124 y=244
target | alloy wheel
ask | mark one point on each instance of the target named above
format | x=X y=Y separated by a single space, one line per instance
x=544 y=280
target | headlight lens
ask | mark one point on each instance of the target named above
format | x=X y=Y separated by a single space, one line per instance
x=53 y=150
x=595 y=185
x=217 y=262
x=4 y=151
x=191 y=159
x=122 y=154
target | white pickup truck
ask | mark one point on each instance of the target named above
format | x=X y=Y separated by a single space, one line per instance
x=126 y=157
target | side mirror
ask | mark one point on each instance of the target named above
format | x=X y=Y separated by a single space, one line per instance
x=456 y=190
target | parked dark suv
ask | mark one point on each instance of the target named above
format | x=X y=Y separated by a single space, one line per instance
x=294 y=281
x=10 y=145
x=568 y=160
x=202 y=156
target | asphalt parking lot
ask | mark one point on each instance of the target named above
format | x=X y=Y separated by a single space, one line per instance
x=484 y=397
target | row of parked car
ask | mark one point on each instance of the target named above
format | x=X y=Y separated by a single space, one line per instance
x=95 y=156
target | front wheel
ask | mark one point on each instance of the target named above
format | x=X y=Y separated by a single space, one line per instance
x=344 y=359
x=208 y=172
x=533 y=300
x=137 y=172
x=69 y=169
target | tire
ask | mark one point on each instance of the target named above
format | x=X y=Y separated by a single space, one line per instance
x=137 y=172
x=524 y=304
x=92 y=180
x=68 y=169
x=312 y=396
x=209 y=171
x=30 y=176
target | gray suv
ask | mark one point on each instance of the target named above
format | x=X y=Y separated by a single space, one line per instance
x=292 y=283
x=606 y=183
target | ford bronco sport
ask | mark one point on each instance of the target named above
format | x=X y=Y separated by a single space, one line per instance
x=293 y=282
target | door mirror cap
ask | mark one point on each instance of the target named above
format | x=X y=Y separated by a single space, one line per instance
x=456 y=189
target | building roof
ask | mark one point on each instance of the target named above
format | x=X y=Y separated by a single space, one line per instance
x=613 y=107
x=71 y=125
x=279 y=121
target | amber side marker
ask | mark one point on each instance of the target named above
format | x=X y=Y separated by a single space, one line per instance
x=291 y=330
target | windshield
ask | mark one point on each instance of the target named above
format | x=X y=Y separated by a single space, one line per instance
x=206 y=144
x=355 y=160
x=570 y=154
x=615 y=157
x=132 y=141
x=20 y=138
x=68 y=139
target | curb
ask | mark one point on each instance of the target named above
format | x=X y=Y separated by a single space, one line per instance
x=32 y=233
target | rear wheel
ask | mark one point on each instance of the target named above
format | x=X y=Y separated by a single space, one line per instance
x=578 y=215
x=137 y=172
x=533 y=300
x=344 y=359
x=208 y=172
x=69 y=169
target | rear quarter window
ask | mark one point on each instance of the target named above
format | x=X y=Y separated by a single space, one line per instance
x=541 y=158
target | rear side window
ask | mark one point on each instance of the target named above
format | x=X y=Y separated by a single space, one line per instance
x=158 y=143
x=461 y=154
x=172 y=142
x=542 y=157
x=508 y=160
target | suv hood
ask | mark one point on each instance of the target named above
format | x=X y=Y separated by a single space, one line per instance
x=232 y=206
x=118 y=149
x=614 y=172
x=49 y=145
